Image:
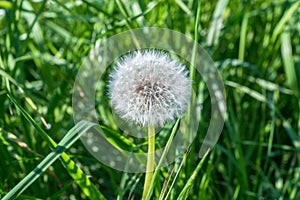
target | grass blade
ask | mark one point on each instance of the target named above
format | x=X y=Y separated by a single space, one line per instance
x=71 y=137
x=177 y=173
x=183 y=7
x=285 y=18
x=288 y=62
x=242 y=42
x=256 y=95
x=89 y=189
x=216 y=24
x=117 y=140
x=5 y=4
x=188 y=185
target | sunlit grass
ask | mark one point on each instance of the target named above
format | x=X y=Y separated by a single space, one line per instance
x=255 y=45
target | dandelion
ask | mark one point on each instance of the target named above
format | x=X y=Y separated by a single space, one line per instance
x=149 y=88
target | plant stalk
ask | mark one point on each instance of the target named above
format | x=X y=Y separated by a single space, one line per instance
x=150 y=160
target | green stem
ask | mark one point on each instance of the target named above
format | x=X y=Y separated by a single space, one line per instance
x=150 y=160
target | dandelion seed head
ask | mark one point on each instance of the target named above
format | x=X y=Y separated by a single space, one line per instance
x=149 y=88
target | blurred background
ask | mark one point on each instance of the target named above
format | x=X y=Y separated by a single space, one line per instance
x=255 y=46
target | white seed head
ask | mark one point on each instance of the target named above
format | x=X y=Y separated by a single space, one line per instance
x=149 y=88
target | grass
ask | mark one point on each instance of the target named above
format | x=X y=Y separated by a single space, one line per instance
x=255 y=45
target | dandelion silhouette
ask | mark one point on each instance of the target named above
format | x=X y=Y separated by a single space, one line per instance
x=149 y=88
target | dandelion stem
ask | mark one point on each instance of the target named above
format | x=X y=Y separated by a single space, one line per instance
x=150 y=160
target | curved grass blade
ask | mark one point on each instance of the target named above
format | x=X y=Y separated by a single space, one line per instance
x=117 y=140
x=88 y=188
x=285 y=18
x=63 y=145
x=256 y=95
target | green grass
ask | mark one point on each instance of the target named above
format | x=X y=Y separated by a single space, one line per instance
x=256 y=47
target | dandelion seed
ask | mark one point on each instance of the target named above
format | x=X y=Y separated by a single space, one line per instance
x=149 y=88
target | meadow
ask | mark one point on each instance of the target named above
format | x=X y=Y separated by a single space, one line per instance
x=255 y=46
